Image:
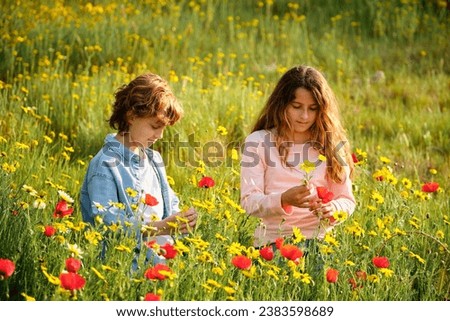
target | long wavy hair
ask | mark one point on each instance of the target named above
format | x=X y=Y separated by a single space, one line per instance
x=327 y=134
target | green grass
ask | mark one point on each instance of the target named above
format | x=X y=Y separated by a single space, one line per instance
x=58 y=72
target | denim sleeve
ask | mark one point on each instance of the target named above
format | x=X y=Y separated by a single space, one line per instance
x=102 y=191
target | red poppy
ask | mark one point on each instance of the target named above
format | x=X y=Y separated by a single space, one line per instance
x=152 y=297
x=169 y=252
x=7 y=268
x=241 y=262
x=380 y=262
x=354 y=158
x=324 y=194
x=332 y=275
x=206 y=182
x=153 y=273
x=291 y=252
x=49 y=231
x=279 y=242
x=150 y=200
x=430 y=187
x=72 y=281
x=267 y=253
x=62 y=209
x=73 y=265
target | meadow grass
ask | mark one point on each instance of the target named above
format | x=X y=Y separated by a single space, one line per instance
x=60 y=62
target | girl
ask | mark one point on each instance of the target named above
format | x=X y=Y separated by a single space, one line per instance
x=299 y=125
x=126 y=181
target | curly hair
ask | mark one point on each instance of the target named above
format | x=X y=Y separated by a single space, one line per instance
x=148 y=95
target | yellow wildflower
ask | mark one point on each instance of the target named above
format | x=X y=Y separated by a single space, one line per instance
x=222 y=130
x=213 y=283
x=93 y=237
x=377 y=197
x=386 y=272
x=27 y=297
x=99 y=275
x=205 y=256
x=131 y=192
x=307 y=166
x=250 y=273
x=340 y=216
x=297 y=235
x=229 y=290
x=108 y=268
x=385 y=160
x=217 y=270
x=413 y=255
x=51 y=278
x=123 y=248
x=373 y=278
x=331 y=240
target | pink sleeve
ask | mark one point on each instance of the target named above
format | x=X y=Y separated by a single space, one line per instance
x=253 y=198
x=344 y=199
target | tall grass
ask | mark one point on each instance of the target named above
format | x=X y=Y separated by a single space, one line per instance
x=60 y=62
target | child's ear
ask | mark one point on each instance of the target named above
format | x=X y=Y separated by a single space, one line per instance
x=130 y=117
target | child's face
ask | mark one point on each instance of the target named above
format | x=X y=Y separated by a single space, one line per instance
x=302 y=113
x=144 y=131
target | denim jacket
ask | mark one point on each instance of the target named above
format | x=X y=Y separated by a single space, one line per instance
x=110 y=173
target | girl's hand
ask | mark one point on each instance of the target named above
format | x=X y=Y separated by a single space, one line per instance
x=299 y=196
x=323 y=211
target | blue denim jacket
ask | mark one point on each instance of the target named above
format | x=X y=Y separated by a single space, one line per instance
x=109 y=174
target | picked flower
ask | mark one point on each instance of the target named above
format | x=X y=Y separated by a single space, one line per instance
x=324 y=194
x=307 y=166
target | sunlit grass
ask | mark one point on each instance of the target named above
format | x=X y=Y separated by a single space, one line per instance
x=386 y=62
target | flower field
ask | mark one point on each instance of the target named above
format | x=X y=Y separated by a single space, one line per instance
x=60 y=62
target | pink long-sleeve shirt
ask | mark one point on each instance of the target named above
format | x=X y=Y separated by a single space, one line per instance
x=264 y=178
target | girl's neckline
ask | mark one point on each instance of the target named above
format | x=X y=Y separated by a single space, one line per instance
x=272 y=132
